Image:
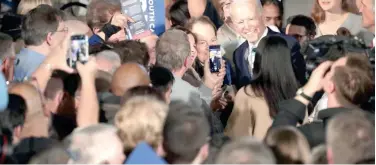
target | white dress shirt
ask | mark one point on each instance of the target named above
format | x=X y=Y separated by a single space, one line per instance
x=250 y=55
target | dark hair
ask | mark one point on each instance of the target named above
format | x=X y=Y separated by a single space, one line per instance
x=142 y=91
x=179 y=13
x=39 y=22
x=318 y=14
x=14 y=115
x=276 y=3
x=185 y=131
x=132 y=51
x=273 y=79
x=161 y=78
x=306 y=22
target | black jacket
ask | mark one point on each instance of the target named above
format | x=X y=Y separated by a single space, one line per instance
x=291 y=112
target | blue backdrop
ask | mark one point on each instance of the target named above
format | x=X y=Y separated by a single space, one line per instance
x=155 y=15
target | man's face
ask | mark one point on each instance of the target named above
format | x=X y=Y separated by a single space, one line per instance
x=327 y=81
x=58 y=36
x=271 y=15
x=206 y=36
x=368 y=14
x=247 y=21
x=298 y=32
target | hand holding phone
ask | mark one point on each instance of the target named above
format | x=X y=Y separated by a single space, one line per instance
x=79 y=50
x=215 y=57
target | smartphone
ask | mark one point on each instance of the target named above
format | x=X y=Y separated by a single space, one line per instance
x=215 y=58
x=79 y=50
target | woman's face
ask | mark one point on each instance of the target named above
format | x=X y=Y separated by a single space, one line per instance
x=193 y=55
x=206 y=36
x=331 y=5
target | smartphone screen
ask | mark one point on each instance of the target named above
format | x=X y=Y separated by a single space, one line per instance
x=215 y=58
x=79 y=50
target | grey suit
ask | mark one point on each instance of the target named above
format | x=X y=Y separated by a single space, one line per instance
x=197 y=97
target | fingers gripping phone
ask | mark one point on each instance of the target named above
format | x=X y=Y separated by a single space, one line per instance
x=79 y=50
x=215 y=58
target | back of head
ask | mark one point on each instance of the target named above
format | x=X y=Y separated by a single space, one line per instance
x=289 y=145
x=92 y=144
x=179 y=13
x=350 y=138
x=318 y=155
x=355 y=81
x=108 y=57
x=141 y=118
x=161 y=78
x=127 y=76
x=272 y=79
x=245 y=151
x=39 y=22
x=132 y=51
x=100 y=12
x=143 y=91
x=172 y=49
x=54 y=86
x=306 y=22
x=6 y=45
x=186 y=130
x=26 y=5
x=103 y=81
x=54 y=155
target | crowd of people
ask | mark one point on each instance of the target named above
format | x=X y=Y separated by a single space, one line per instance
x=155 y=100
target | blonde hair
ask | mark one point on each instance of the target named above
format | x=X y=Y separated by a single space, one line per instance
x=141 y=118
x=26 y=5
x=289 y=145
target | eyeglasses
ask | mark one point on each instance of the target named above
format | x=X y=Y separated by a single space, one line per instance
x=64 y=30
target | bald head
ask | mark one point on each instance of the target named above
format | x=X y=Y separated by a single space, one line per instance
x=127 y=76
x=31 y=96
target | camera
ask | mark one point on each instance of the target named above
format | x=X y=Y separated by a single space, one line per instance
x=332 y=47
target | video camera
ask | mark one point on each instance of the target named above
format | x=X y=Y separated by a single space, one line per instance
x=332 y=47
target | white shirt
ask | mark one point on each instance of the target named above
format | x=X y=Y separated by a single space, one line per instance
x=250 y=56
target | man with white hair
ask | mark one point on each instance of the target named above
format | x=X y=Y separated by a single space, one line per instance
x=247 y=18
x=367 y=8
x=108 y=61
x=95 y=144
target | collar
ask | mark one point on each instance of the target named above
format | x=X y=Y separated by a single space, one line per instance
x=330 y=112
x=263 y=35
x=32 y=52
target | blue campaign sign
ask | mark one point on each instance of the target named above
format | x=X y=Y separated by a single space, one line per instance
x=155 y=15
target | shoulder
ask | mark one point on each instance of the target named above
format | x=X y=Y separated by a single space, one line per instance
x=242 y=47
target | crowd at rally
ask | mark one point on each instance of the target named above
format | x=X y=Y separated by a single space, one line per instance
x=156 y=99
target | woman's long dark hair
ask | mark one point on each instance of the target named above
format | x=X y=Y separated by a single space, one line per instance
x=274 y=77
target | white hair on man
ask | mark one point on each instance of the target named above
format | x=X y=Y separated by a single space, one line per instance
x=96 y=144
x=259 y=7
x=108 y=61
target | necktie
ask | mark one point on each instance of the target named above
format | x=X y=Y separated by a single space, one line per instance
x=251 y=59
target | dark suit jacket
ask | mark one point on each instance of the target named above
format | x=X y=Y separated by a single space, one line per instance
x=291 y=112
x=243 y=77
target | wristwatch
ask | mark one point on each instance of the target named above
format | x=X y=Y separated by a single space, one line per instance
x=300 y=92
